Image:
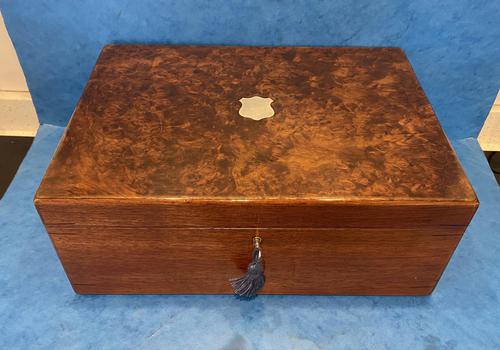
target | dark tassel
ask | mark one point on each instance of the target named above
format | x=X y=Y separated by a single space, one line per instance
x=253 y=281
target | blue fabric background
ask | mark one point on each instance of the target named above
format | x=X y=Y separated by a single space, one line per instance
x=452 y=44
x=40 y=311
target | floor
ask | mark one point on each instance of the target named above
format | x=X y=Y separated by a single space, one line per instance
x=39 y=310
x=12 y=151
x=494 y=161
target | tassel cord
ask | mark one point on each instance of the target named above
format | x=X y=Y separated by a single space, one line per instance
x=249 y=284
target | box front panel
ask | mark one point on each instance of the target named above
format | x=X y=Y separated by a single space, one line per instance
x=118 y=260
x=128 y=248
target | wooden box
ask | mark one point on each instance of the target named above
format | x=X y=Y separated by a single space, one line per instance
x=177 y=156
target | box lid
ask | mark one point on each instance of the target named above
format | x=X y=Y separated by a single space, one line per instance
x=164 y=122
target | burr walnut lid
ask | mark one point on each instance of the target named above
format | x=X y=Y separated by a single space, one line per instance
x=163 y=122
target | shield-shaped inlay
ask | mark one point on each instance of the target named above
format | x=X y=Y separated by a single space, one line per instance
x=256 y=107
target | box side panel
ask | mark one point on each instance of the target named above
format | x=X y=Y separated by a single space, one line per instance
x=151 y=257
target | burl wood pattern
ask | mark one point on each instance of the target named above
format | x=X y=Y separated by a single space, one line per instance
x=163 y=122
x=159 y=185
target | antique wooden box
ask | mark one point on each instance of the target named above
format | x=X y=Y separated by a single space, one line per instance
x=176 y=157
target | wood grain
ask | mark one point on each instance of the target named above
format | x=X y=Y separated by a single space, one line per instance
x=159 y=185
x=254 y=214
x=163 y=122
x=130 y=246
x=297 y=261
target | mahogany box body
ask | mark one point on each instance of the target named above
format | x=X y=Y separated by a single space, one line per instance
x=159 y=183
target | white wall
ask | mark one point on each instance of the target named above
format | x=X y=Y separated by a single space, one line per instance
x=17 y=113
x=489 y=137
